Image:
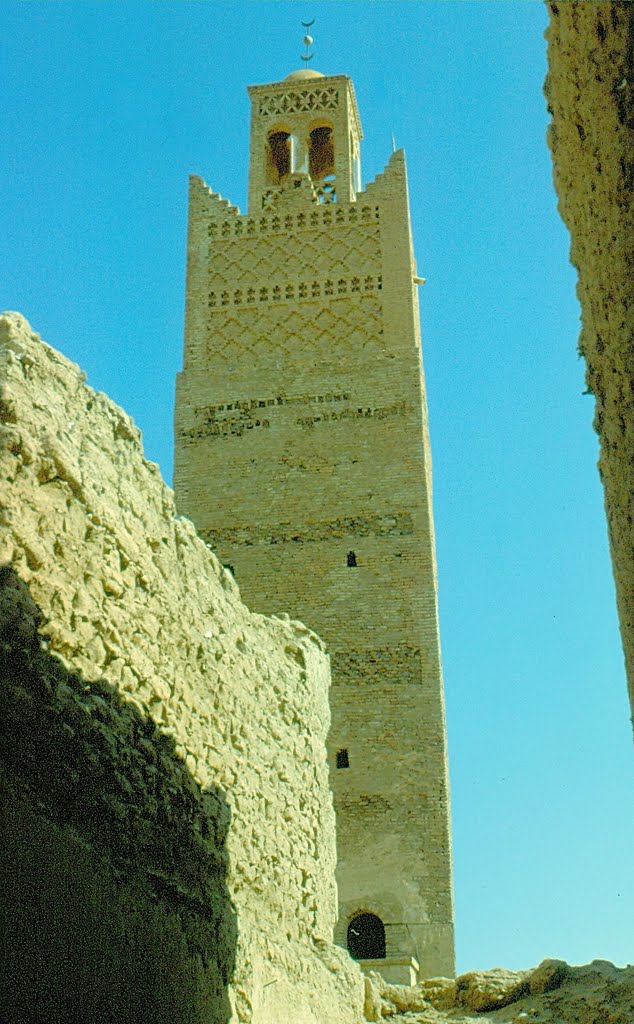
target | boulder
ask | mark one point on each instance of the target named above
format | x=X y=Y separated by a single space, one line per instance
x=440 y=992
x=548 y=975
x=489 y=990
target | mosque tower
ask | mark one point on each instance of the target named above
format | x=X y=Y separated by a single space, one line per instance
x=302 y=456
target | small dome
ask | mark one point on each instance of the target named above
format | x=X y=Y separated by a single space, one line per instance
x=304 y=73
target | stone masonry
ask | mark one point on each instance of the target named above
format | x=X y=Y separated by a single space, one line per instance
x=302 y=456
x=590 y=92
x=168 y=830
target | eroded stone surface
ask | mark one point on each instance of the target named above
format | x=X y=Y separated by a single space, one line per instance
x=158 y=725
x=551 y=993
x=590 y=92
x=490 y=990
x=546 y=976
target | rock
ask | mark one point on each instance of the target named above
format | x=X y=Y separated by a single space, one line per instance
x=489 y=990
x=440 y=992
x=548 y=975
x=148 y=750
x=589 y=91
x=372 y=1004
x=387 y=999
x=405 y=998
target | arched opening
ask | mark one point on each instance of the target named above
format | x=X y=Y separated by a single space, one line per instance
x=321 y=153
x=278 y=156
x=366 y=937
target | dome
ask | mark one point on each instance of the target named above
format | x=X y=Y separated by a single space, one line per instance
x=303 y=73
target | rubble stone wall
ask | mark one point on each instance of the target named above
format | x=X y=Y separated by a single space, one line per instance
x=590 y=92
x=168 y=821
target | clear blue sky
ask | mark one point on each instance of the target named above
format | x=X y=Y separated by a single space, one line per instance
x=108 y=107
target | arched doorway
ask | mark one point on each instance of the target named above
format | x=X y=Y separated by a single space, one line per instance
x=366 y=937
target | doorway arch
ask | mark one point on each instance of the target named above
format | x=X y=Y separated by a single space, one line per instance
x=366 y=937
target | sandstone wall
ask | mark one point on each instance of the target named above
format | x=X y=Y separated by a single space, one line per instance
x=169 y=833
x=590 y=91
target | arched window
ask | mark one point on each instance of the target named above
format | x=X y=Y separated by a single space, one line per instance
x=366 y=937
x=321 y=153
x=278 y=157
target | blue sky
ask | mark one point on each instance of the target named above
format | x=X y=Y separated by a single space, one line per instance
x=108 y=107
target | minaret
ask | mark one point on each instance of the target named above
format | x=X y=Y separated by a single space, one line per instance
x=302 y=456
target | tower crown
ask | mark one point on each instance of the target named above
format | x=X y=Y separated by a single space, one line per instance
x=306 y=131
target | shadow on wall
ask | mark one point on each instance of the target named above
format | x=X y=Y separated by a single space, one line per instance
x=114 y=903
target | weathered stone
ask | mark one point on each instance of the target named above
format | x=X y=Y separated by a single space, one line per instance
x=202 y=783
x=373 y=1004
x=547 y=975
x=490 y=990
x=590 y=92
x=597 y=993
x=404 y=998
x=440 y=992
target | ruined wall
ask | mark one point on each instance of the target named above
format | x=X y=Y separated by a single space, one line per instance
x=168 y=828
x=590 y=92
x=551 y=993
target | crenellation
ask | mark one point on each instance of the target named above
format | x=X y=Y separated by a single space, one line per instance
x=309 y=302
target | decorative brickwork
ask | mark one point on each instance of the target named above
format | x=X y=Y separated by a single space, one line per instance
x=295 y=102
x=302 y=457
x=311 y=220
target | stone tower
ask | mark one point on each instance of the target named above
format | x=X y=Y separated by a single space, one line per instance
x=302 y=456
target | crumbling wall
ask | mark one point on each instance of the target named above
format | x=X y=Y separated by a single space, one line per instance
x=590 y=92
x=551 y=993
x=169 y=833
